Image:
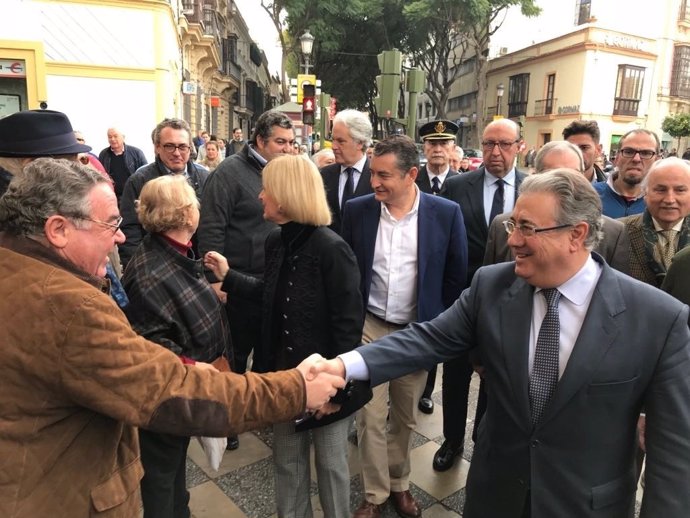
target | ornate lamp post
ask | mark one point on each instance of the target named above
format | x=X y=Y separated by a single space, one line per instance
x=500 y=90
x=306 y=42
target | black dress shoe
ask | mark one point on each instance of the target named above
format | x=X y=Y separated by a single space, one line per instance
x=445 y=456
x=426 y=405
x=233 y=443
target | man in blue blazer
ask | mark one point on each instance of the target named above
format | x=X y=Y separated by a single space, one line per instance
x=411 y=249
x=573 y=350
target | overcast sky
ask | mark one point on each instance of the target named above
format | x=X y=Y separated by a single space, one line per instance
x=262 y=31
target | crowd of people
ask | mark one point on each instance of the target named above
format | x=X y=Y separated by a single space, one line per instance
x=229 y=285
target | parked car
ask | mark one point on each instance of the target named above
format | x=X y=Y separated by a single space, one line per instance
x=475 y=157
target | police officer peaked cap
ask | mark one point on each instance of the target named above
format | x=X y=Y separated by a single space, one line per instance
x=438 y=130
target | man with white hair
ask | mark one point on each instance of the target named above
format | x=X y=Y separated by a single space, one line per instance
x=120 y=160
x=663 y=228
x=456 y=157
x=349 y=177
x=323 y=158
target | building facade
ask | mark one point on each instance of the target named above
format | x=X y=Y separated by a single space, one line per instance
x=584 y=59
x=131 y=63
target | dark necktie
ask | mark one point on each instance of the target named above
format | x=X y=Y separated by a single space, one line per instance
x=497 y=205
x=435 y=185
x=349 y=189
x=542 y=383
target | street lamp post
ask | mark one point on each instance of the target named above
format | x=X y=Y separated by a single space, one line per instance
x=500 y=90
x=306 y=42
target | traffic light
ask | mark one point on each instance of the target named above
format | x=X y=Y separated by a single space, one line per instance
x=308 y=104
x=388 y=83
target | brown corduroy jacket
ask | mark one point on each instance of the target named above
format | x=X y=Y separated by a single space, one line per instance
x=76 y=381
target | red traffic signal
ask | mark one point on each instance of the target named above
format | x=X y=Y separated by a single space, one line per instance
x=308 y=103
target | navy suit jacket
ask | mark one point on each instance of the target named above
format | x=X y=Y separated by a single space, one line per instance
x=441 y=249
x=579 y=460
x=331 y=181
x=467 y=189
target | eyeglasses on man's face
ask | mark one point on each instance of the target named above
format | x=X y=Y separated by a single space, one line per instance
x=645 y=154
x=529 y=230
x=489 y=145
x=182 y=148
x=112 y=226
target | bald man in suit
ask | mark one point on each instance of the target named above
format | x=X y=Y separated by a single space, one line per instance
x=613 y=246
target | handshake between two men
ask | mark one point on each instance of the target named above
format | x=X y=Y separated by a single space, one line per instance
x=322 y=378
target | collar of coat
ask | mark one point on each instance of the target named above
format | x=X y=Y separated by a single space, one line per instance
x=35 y=250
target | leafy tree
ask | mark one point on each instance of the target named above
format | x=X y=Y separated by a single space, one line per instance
x=449 y=32
x=677 y=126
x=483 y=23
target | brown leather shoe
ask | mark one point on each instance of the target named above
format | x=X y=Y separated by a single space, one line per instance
x=405 y=504
x=367 y=510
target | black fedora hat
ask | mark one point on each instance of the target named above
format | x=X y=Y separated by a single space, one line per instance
x=36 y=133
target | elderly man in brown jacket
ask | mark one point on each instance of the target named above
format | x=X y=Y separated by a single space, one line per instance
x=76 y=380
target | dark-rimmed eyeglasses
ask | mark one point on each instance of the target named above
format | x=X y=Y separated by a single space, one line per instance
x=182 y=148
x=489 y=145
x=645 y=154
x=529 y=230
x=112 y=226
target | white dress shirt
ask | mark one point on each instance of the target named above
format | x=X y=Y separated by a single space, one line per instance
x=393 y=291
x=490 y=188
x=576 y=294
x=358 y=167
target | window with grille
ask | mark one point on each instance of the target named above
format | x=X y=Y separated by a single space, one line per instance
x=628 y=90
x=684 y=13
x=518 y=92
x=680 y=76
x=583 y=10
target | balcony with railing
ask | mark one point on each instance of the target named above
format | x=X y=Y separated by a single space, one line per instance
x=625 y=107
x=516 y=109
x=543 y=107
x=193 y=10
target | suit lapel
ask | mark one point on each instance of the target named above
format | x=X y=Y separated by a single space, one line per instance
x=370 y=226
x=364 y=184
x=516 y=318
x=425 y=245
x=475 y=198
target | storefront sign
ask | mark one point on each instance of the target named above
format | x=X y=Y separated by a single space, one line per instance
x=12 y=68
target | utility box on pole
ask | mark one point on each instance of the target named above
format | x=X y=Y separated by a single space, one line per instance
x=415 y=85
x=324 y=123
x=388 y=83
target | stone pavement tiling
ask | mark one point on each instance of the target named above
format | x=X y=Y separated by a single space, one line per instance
x=243 y=486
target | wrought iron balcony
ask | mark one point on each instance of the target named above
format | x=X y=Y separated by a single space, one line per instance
x=545 y=107
x=622 y=106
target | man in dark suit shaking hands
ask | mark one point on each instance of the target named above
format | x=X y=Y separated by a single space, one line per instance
x=573 y=350
x=412 y=254
x=349 y=176
x=482 y=194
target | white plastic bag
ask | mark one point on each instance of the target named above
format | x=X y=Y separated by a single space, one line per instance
x=214 y=448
